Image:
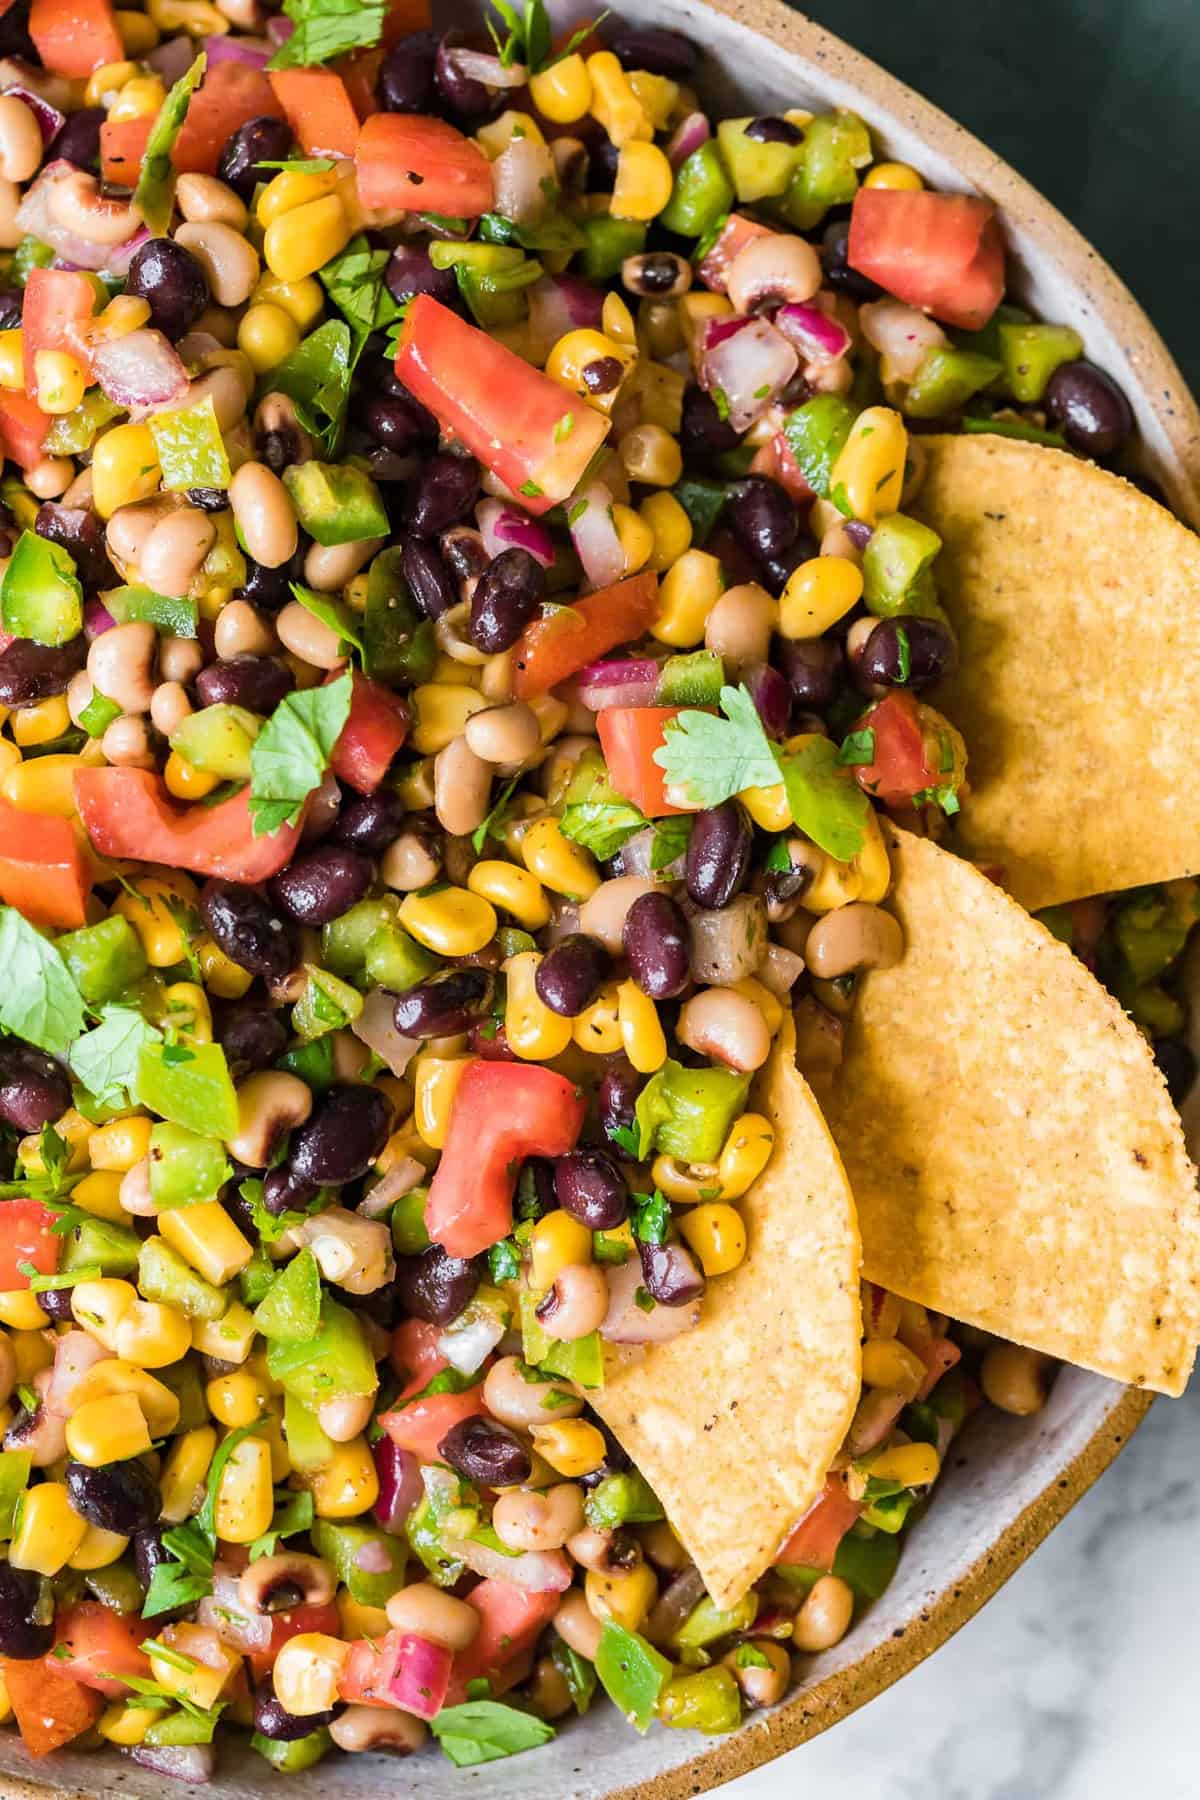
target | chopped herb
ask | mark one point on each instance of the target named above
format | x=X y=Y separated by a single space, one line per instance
x=650 y=1217
x=498 y=816
x=328 y=28
x=904 y=666
x=291 y=753
x=720 y=400
x=749 y=1656
x=106 y=1060
x=293 y=1513
x=531 y=490
x=38 y=999
x=625 y=1138
x=857 y=749
x=643 y=1299
x=481 y=1731
x=841 y=500
x=564 y=427
x=154 y=196
x=504 y=1260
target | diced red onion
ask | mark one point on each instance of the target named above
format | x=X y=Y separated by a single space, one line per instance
x=859 y=532
x=141 y=371
x=33 y=217
x=632 y=681
x=401 y=1179
x=900 y=333
x=400 y=1486
x=224 y=1612
x=96 y=618
x=470 y=1348
x=626 y=1322
x=74 y=1354
x=779 y=970
x=687 y=137
x=120 y=258
x=481 y=65
x=594 y=535
x=817 y=337
x=50 y=120
x=674 y=1605
x=420 y=1676
x=750 y=367
x=520 y=175
x=636 y=857
x=502 y=526
x=196 y=1763
x=772 y=696
x=719 y=331
x=585 y=302
x=172 y=58
x=537 y=1571
x=376 y=1028
x=279 y=29
x=253 y=52
x=726 y=942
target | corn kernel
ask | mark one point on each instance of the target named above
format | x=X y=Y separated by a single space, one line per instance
x=73 y=1129
x=357 y=1620
x=744 y=1154
x=768 y=807
x=671 y=529
x=634 y=536
x=896 y=176
x=440 y=711
x=124 y=468
x=19 y=1310
x=913 y=1465
x=189 y=1012
x=643 y=184
x=153 y=1335
x=32 y=1351
x=870 y=465
x=557 y=1240
x=616 y=321
x=195 y=17
x=717 y=1235
x=817 y=594
x=614 y=105
x=292 y=188
x=495 y=137
x=245 y=1494
x=436 y=1080
x=650 y=455
x=137 y=31
x=306 y=238
x=119 y=1144
x=42 y=723
x=99 y=1549
x=559 y=864
x=641 y=1031
x=106 y=82
x=563 y=92
x=625 y=1597
x=100 y=1194
x=100 y=1305
x=694 y=311
x=303 y=301
x=577 y=352
x=12 y=360
x=207 y=1238
x=572 y=1447
x=184 y=1471
x=139 y=98
x=108 y=1430
x=307 y=1672
x=267 y=334
x=47 y=1530
x=126 y=1723
x=222 y=976
x=887 y=1363
x=511 y=890
x=152 y=904
x=531 y=1030
x=453 y=922
x=201 y=1665
x=185 y=781
x=658 y=94
x=348 y=1484
x=44 y=784
x=231 y=1337
x=235 y=1399
x=598 y=1027
x=685 y=1183
x=690 y=589
x=113 y=1376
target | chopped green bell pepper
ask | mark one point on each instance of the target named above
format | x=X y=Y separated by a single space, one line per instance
x=117 y=1586
x=946 y=380
x=186 y=1167
x=708 y=1700
x=175 y=615
x=103 y=959
x=190 y=1085
x=342 y=1545
x=393 y=959
x=344 y=940
x=70 y=434
x=218 y=739
x=687 y=1112
x=41 y=596
x=100 y=1244
x=291 y=1311
x=1031 y=353
x=326 y=1004
x=836 y=146
x=334 y=1364
x=707 y=1622
x=398 y=643
x=15 y=1467
x=816 y=434
x=164 y=1275
x=335 y=502
x=183 y=1379
x=759 y=169
x=623 y=1499
x=308 y=1446
x=632 y=1673
x=191 y=450
x=292 y=1756
x=695 y=679
x=408 y=1222
x=608 y=242
x=898 y=567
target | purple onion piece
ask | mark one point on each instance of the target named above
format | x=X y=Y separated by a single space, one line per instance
x=96 y=618
x=687 y=137
x=859 y=532
x=502 y=526
x=50 y=120
x=196 y=1763
x=772 y=696
x=400 y=1486
x=235 y=50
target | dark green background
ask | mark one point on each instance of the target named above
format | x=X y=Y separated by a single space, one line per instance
x=1097 y=102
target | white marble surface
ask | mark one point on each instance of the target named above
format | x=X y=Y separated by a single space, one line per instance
x=1077 y=1682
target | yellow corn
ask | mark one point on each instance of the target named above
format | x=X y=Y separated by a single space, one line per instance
x=183 y=1472
x=572 y=1447
x=139 y=98
x=185 y=781
x=616 y=321
x=245 y=1495
x=99 y=1549
x=231 y=1337
x=108 y=1430
x=576 y=352
x=137 y=31
x=271 y=1433
x=42 y=723
x=19 y=1310
x=123 y=314
x=100 y=1305
x=126 y=1723
x=819 y=593
x=894 y=175
x=267 y=334
x=635 y=537
x=881 y=1320
x=452 y=922
x=307 y=1671
x=306 y=238
x=303 y=301
x=124 y=468
x=435 y=1085
x=33 y=1350
x=511 y=890
x=598 y=1027
x=12 y=359
x=625 y=1597
x=887 y=1363
x=658 y=94
x=10 y=756
x=690 y=589
x=104 y=83
x=913 y=1465
x=686 y=1183
x=73 y=1129
x=643 y=184
x=119 y=1144
x=762 y=997
x=671 y=527
x=563 y=92
x=47 y=1530
x=559 y=864
x=872 y=864
x=495 y=137
x=153 y=1335
x=641 y=1031
x=744 y=1154
x=113 y=1376
x=348 y=1484
x=440 y=711
x=45 y=784
x=222 y=976
x=207 y=1238
x=149 y=903
x=292 y=188
x=195 y=17
x=557 y=1240
x=717 y=1235
x=532 y=1031
x=650 y=455
x=357 y=1620
x=659 y=391
x=189 y=1012
x=870 y=466
x=100 y=1195
x=614 y=104
x=207 y=1664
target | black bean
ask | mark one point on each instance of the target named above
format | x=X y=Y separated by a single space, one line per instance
x=121 y=1496
x=406 y=79
x=436 y=1287
x=672 y=1275
x=590 y=1187
x=773 y=571
x=272 y=1719
x=486 y=1452
x=449 y=1002
x=79 y=140
x=773 y=130
x=616 y=1098
x=813 y=669
x=208 y=499
x=465 y=555
x=149 y=1553
x=252 y=1036
x=323 y=884
x=466 y=99
x=763 y=517
x=171 y=280
x=245 y=928
x=838 y=273
x=602 y=375
x=348 y=1129
x=781 y=888
x=31 y=672
x=258 y=683
x=655 y=49
x=11 y=308
x=430 y=581
x=370 y=822
x=1092 y=411
x=506 y=598
x=571 y=974
x=907 y=652
x=772 y=697
x=655 y=940
x=718 y=855
x=399 y=425
x=78 y=530
x=271 y=589
x=1174 y=1058
x=703 y=433
x=56 y=1304
x=26 y=1621
x=410 y=272
x=443 y=493
x=602 y=156
x=259 y=140
x=284 y=1191
x=34 y=1091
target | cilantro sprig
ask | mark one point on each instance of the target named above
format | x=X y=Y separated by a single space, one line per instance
x=328 y=28
x=530 y=37
x=193 y=1546
x=292 y=752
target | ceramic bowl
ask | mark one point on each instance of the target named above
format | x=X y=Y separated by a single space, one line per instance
x=1009 y=1480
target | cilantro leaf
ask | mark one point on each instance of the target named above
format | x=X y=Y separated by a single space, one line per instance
x=671 y=839
x=496 y=818
x=650 y=1216
x=858 y=749
x=294 y=1513
x=707 y=759
x=193 y=1546
x=481 y=1731
x=154 y=195
x=327 y=28
x=504 y=1260
x=292 y=752
x=826 y=802
x=331 y=612
x=316 y=379
x=602 y=825
x=38 y=999
x=354 y=282
x=627 y=1139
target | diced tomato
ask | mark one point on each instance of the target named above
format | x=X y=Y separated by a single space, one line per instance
x=318 y=109
x=941 y=252
x=408 y=162
x=904 y=763
x=511 y=1619
x=375 y=729
x=629 y=736
x=421 y=1426
x=122 y=149
x=939 y=1355
x=415 y=1356
x=400 y=1669
x=128 y=813
x=734 y=235
x=776 y=462
x=75 y=37
x=26 y=1236
x=92 y=1643
x=316 y=1615
x=230 y=94
x=45 y=871
x=57 y=303
x=502 y=1113
x=50 y=1708
x=23 y=426
x=533 y=434
x=814 y=1543
x=562 y=642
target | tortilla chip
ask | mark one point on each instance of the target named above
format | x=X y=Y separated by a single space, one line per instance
x=1077 y=606
x=1014 y=1156
x=735 y=1423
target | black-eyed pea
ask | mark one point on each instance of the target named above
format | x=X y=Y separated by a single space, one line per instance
x=429 y=1612
x=824 y=1619
x=126 y=744
x=504 y=734
x=309 y=638
x=169 y=707
x=462 y=788
x=240 y=630
x=10 y=199
x=51 y=477
x=724 y=1024
x=328 y=567
x=120 y=663
x=230 y=262
x=1014 y=1378
x=547 y=1692
x=853 y=937
x=264 y=514
x=175 y=549
x=762 y=1669
x=378 y=1728
x=20 y=140
x=577 y=1625
x=180 y=659
x=203 y=200
x=739 y=626
x=525 y=1520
